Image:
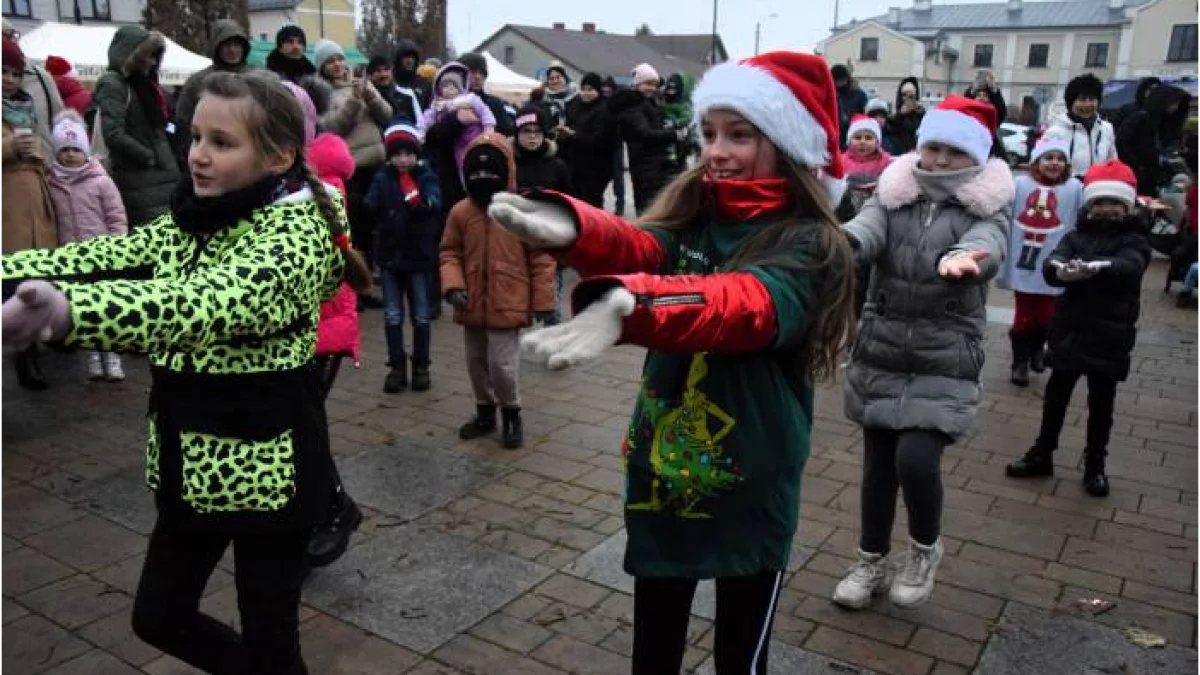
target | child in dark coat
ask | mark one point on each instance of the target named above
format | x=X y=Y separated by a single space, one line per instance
x=404 y=199
x=538 y=166
x=1100 y=265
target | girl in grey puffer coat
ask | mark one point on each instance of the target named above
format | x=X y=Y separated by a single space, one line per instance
x=935 y=238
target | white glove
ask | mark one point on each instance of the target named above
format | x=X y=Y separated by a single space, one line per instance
x=1076 y=270
x=539 y=224
x=587 y=335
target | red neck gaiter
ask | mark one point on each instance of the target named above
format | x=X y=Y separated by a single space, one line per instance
x=741 y=200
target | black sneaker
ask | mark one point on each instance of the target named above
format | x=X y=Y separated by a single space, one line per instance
x=1035 y=463
x=1037 y=362
x=482 y=424
x=330 y=539
x=1095 y=483
x=1020 y=374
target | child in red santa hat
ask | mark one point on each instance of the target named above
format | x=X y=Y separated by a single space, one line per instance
x=1100 y=266
x=740 y=283
x=1044 y=209
x=66 y=80
x=936 y=231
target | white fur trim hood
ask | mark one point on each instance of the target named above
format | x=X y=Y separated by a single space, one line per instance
x=991 y=190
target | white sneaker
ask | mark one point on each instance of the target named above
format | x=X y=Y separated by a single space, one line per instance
x=112 y=367
x=867 y=578
x=914 y=584
x=95 y=367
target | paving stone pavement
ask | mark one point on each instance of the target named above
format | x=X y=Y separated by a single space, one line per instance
x=474 y=559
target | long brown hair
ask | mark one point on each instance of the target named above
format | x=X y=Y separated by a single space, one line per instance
x=810 y=226
x=276 y=124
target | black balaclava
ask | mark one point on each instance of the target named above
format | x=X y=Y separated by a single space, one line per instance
x=485 y=169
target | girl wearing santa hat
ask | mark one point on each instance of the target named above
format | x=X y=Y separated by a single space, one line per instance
x=740 y=283
x=1100 y=266
x=936 y=231
x=1044 y=209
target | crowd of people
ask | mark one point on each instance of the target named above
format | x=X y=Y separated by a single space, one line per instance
x=235 y=237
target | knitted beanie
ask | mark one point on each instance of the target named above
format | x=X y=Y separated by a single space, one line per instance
x=402 y=137
x=69 y=132
x=327 y=49
x=645 y=73
x=13 y=57
x=290 y=31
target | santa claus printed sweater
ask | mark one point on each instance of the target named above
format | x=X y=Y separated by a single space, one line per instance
x=1042 y=216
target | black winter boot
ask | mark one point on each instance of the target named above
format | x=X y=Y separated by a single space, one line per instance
x=330 y=538
x=482 y=424
x=1094 y=480
x=420 y=376
x=1020 y=355
x=1037 y=462
x=396 y=380
x=514 y=431
x=1037 y=351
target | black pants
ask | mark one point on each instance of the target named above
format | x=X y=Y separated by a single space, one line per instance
x=745 y=610
x=362 y=225
x=1102 y=397
x=910 y=459
x=269 y=570
x=590 y=188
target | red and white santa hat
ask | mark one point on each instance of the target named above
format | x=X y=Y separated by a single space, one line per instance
x=1049 y=143
x=791 y=99
x=863 y=123
x=1113 y=179
x=962 y=123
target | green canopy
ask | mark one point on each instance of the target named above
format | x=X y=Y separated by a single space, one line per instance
x=259 y=49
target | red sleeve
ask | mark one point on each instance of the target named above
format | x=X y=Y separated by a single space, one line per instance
x=606 y=243
x=723 y=312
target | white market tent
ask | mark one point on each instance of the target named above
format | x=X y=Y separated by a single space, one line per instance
x=502 y=81
x=86 y=47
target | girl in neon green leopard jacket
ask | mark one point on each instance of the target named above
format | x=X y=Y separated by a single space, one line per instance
x=223 y=293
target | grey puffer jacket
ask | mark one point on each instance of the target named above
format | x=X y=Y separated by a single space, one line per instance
x=917 y=360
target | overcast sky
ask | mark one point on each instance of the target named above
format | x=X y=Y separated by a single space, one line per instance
x=799 y=24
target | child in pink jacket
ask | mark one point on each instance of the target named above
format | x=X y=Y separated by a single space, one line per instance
x=86 y=205
x=864 y=157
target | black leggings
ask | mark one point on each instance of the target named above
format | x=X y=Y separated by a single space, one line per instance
x=362 y=223
x=745 y=610
x=909 y=459
x=1101 y=399
x=269 y=570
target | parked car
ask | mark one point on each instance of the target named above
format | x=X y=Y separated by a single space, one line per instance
x=1018 y=142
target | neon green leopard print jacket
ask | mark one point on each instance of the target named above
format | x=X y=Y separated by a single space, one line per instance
x=237 y=431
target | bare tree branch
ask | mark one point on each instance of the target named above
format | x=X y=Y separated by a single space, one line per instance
x=386 y=22
x=190 y=22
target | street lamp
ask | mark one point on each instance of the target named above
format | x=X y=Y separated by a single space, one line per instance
x=758 y=29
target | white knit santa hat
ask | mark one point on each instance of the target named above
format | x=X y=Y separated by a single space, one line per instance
x=791 y=99
x=1110 y=179
x=1050 y=144
x=962 y=123
x=69 y=132
x=864 y=123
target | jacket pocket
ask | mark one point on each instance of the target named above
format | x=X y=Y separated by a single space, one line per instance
x=510 y=287
x=223 y=474
x=970 y=361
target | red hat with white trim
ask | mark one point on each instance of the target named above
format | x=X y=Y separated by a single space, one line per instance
x=791 y=99
x=962 y=123
x=1114 y=180
x=864 y=123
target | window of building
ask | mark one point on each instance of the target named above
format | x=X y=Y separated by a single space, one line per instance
x=1097 y=55
x=510 y=55
x=93 y=9
x=868 y=49
x=17 y=8
x=1181 y=48
x=983 y=56
x=1039 y=55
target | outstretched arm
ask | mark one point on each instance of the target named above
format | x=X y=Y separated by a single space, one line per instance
x=583 y=237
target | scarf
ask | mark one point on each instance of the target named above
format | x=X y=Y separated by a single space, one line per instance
x=20 y=112
x=149 y=95
x=68 y=174
x=209 y=215
x=940 y=186
x=742 y=200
